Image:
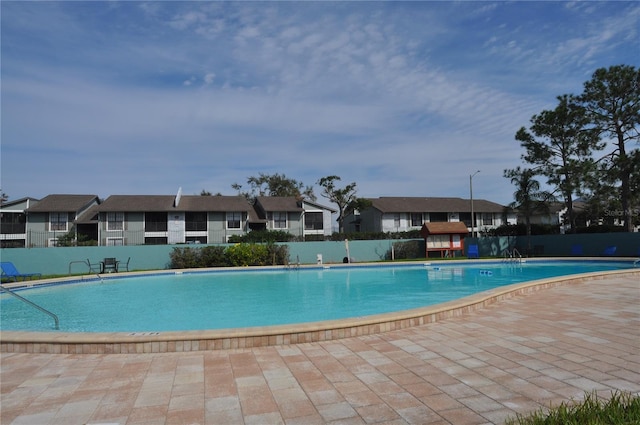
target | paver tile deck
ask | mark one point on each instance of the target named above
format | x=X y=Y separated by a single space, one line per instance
x=515 y=356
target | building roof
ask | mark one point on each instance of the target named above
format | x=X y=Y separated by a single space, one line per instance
x=160 y=203
x=279 y=203
x=18 y=205
x=63 y=203
x=316 y=205
x=444 y=228
x=556 y=207
x=422 y=205
x=90 y=216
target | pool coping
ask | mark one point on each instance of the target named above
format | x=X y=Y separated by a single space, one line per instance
x=221 y=339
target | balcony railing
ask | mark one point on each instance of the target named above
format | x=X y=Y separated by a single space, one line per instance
x=13 y=228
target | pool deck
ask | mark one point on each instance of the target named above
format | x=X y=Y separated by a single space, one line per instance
x=479 y=366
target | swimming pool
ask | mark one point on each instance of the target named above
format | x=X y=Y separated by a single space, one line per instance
x=181 y=301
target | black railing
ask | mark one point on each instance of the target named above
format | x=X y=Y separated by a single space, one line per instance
x=13 y=228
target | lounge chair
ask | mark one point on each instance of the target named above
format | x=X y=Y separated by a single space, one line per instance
x=10 y=272
x=610 y=250
x=576 y=250
x=94 y=267
x=109 y=265
x=473 y=252
x=121 y=265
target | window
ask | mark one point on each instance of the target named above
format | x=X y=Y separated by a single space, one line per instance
x=438 y=241
x=196 y=239
x=487 y=219
x=155 y=241
x=396 y=221
x=195 y=221
x=233 y=220
x=155 y=222
x=416 y=219
x=313 y=221
x=279 y=220
x=115 y=242
x=115 y=221
x=437 y=217
x=465 y=218
x=58 y=221
x=13 y=223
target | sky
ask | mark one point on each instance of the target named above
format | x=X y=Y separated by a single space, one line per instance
x=402 y=98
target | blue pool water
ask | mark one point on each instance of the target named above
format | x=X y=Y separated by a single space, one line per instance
x=235 y=299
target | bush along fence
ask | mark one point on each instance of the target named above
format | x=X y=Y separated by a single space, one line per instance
x=238 y=255
x=269 y=254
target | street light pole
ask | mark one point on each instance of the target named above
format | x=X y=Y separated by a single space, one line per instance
x=473 y=219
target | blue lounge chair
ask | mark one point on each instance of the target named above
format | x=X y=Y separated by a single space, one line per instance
x=610 y=250
x=473 y=252
x=10 y=272
x=576 y=250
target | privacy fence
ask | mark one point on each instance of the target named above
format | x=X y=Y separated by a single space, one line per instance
x=73 y=260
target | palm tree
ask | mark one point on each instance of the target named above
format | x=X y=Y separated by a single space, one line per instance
x=528 y=198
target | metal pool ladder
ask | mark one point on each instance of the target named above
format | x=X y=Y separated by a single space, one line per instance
x=295 y=266
x=32 y=304
x=512 y=256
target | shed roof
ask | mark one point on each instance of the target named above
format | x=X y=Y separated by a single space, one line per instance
x=444 y=228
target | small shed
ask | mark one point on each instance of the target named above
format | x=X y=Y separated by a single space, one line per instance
x=444 y=237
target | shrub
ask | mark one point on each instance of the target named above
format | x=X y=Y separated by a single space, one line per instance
x=314 y=238
x=622 y=408
x=521 y=230
x=262 y=236
x=70 y=239
x=369 y=236
x=407 y=250
x=213 y=256
x=238 y=255
x=184 y=258
x=247 y=255
x=277 y=254
x=602 y=228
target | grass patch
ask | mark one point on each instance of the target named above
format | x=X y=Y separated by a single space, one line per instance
x=620 y=409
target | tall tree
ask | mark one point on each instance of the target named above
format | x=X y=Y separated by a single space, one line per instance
x=559 y=145
x=528 y=198
x=275 y=185
x=345 y=198
x=611 y=100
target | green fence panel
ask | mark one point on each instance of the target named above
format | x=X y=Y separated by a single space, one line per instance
x=73 y=260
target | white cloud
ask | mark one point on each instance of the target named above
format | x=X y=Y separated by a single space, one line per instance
x=401 y=98
x=209 y=77
x=187 y=20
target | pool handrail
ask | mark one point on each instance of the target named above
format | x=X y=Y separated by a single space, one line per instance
x=512 y=256
x=31 y=303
